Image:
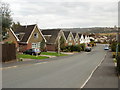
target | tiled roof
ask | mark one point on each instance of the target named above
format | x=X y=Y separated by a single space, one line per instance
x=54 y=34
x=74 y=34
x=66 y=33
x=79 y=35
x=26 y=32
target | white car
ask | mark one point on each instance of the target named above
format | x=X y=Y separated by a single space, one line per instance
x=106 y=47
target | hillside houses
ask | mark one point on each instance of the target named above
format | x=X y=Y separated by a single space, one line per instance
x=30 y=36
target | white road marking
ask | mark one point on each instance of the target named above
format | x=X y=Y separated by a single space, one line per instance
x=10 y=67
x=40 y=63
x=93 y=72
x=21 y=65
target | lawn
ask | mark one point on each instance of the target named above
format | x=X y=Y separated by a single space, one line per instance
x=53 y=54
x=30 y=56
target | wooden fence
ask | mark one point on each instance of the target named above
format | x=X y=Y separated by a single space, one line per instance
x=8 y=52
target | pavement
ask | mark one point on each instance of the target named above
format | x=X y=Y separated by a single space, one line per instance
x=63 y=72
x=105 y=76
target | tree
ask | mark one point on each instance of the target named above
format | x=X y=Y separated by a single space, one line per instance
x=6 y=17
x=62 y=42
x=15 y=25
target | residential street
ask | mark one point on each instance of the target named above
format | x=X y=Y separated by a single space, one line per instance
x=70 y=72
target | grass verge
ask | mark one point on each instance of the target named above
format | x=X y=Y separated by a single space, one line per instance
x=30 y=56
x=53 y=54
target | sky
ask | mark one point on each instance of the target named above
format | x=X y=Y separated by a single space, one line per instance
x=65 y=13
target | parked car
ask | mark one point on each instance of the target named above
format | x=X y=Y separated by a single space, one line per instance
x=88 y=49
x=32 y=52
x=106 y=47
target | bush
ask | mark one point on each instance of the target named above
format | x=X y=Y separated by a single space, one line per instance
x=82 y=47
x=72 y=48
x=113 y=47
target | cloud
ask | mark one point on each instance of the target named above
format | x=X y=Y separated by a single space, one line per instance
x=64 y=13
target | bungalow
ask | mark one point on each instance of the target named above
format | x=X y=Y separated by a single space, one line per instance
x=28 y=37
x=69 y=38
x=55 y=39
x=87 y=39
x=76 y=37
x=82 y=38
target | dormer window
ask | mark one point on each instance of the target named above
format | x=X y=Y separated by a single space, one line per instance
x=36 y=35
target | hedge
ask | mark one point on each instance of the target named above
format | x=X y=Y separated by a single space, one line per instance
x=72 y=48
x=113 y=47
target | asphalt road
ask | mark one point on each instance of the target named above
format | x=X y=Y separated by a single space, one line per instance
x=70 y=72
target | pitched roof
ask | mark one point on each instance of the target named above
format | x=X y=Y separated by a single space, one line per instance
x=84 y=35
x=14 y=35
x=74 y=34
x=66 y=33
x=79 y=35
x=51 y=35
x=26 y=30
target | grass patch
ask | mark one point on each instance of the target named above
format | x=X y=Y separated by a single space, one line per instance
x=30 y=56
x=53 y=54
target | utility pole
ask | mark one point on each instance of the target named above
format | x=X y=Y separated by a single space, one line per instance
x=0 y=26
x=58 y=44
x=118 y=40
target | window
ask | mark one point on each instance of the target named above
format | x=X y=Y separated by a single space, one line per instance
x=76 y=43
x=66 y=41
x=34 y=45
x=70 y=44
x=39 y=44
x=36 y=35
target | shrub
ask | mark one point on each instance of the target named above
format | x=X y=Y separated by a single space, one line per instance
x=72 y=48
x=82 y=47
x=113 y=47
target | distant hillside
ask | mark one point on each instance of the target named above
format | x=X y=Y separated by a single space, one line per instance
x=88 y=30
x=91 y=30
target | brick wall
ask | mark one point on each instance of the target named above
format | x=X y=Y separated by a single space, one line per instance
x=51 y=47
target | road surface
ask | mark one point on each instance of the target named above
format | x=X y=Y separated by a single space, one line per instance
x=70 y=72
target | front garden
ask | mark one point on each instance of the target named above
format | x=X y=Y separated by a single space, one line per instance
x=43 y=55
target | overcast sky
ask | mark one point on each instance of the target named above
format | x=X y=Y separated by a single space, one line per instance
x=67 y=13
